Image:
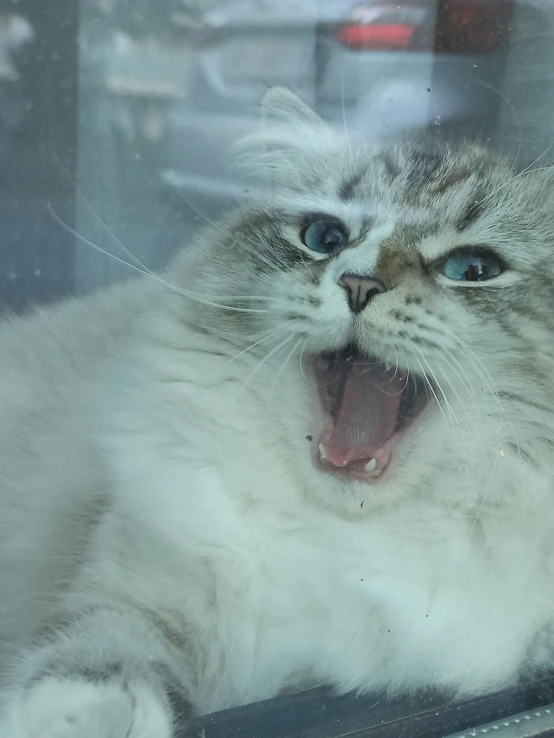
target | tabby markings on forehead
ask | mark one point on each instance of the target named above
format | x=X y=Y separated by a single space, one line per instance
x=472 y=213
x=450 y=179
x=392 y=168
x=424 y=167
x=347 y=188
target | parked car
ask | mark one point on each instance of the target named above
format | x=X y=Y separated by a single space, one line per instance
x=375 y=68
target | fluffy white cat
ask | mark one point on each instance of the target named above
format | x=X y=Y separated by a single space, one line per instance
x=320 y=448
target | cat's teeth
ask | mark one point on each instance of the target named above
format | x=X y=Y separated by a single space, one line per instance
x=370 y=466
x=322 y=452
x=388 y=366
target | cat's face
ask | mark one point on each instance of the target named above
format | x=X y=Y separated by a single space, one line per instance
x=405 y=298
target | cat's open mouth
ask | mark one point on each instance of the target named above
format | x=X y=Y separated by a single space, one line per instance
x=366 y=406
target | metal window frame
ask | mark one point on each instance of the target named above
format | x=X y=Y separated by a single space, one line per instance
x=525 y=711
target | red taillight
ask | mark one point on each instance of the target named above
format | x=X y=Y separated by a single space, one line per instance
x=447 y=26
x=390 y=36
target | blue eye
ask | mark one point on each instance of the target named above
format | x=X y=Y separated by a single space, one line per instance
x=472 y=264
x=324 y=236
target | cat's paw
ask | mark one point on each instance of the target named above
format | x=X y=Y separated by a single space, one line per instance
x=63 y=708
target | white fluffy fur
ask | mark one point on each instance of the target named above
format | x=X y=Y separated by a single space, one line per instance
x=63 y=708
x=159 y=507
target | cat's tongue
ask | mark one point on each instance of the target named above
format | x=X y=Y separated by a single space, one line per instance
x=362 y=402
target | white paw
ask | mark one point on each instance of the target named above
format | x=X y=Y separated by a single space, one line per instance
x=56 y=708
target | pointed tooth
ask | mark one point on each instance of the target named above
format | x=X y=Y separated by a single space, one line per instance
x=322 y=452
x=370 y=466
x=388 y=366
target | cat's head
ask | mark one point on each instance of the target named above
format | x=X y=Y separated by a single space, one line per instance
x=401 y=297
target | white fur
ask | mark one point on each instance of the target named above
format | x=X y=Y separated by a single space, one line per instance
x=62 y=709
x=145 y=479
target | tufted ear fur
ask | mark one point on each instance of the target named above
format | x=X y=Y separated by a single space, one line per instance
x=280 y=106
x=290 y=134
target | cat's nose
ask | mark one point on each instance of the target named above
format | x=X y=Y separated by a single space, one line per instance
x=360 y=290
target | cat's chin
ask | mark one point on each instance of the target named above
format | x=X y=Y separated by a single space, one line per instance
x=362 y=408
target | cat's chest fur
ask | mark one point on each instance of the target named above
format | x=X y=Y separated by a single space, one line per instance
x=414 y=597
x=370 y=606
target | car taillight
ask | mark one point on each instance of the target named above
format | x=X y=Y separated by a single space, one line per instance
x=444 y=26
x=384 y=36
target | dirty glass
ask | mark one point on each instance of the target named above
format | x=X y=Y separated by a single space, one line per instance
x=117 y=118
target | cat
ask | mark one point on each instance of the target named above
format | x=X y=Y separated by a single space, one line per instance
x=319 y=448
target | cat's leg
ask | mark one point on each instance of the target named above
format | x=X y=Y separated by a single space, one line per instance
x=110 y=673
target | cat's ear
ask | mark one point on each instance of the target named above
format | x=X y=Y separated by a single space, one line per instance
x=289 y=135
x=280 y=106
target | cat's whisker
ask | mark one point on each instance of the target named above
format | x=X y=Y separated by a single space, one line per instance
x=264 y=361
x=396 y=367
x=370 y=365
x=439 y=387
x=503 y=97
x=454 y=391
x=481 y=370
x=464 y=381
x=194 y=207
x=283 y=365
x=488 y=383
x=192 y=296
x=302 y=259
x=465 y=439
x=466 y=378
x=90 y=243
x=147 y=272
x=485 y=493
x=430 y=385
x=261 y=340
x=112 y=235
x=87 y=202
x=528 y=170
x=301 y=358
x=530 y=166
x=215 y=296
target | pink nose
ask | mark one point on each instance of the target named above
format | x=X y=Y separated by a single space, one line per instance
x=360 y=290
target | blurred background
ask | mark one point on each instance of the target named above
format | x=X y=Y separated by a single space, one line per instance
x=117 y=116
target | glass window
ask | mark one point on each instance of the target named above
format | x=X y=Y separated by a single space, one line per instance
x=118 y=122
